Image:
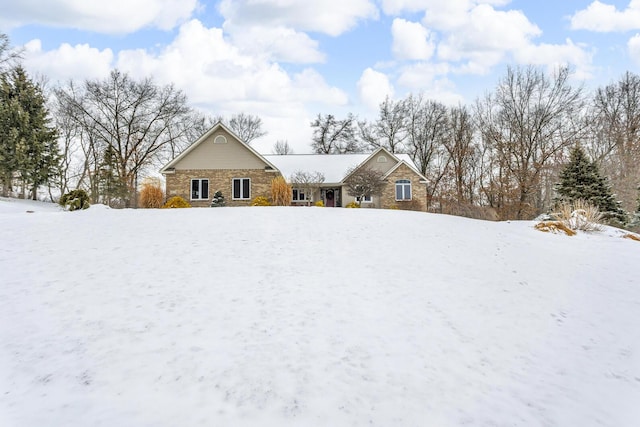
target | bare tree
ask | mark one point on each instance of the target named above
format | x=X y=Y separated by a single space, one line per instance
x=616 y=134
x=525 y=123
x=8 y=56
x=137 y=120
x=462 y=152
x=333 y=136
x=390 y=129
x=247 y=127
x=364 y=182
x=308 y=182
x=282 y=147
x=427 y=129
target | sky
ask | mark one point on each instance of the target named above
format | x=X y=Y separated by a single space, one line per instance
x=286 y=61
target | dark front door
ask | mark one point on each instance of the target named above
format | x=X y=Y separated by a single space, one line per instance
x=330 y=199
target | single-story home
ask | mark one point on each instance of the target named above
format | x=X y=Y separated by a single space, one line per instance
x=220 y=161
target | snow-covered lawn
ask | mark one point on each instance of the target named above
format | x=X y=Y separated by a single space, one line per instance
x=314 y=317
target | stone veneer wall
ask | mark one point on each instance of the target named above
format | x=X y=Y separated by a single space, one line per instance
x=179 y=184
x=418 y=190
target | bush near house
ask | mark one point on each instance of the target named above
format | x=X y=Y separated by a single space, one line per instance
x=260 y=201
x=218 y=200
x=176 y=202
x=280 y=191
x=75 y=200
x=352 y=205
x=151 y=196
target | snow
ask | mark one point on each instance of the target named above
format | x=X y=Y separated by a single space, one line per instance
x=312 y=316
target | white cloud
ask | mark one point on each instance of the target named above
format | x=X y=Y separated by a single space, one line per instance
x=68 y=62
x=113 y=16
x=210 y=69
x=605 y=17
x=485 y=30
x=332 y=17
x=278 y=43
x=435 y=7
x=411 y=40
x=633 y=46
x=431 y=81
x=554 y=56
x=373 y=88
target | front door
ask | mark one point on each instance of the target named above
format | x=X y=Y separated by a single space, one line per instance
x=330 y=200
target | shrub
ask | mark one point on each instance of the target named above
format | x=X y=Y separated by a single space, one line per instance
x=280 y=191
x=352 y=205
x=320 y=204
x=151 y=196
x=554 y=226
x=393 y=207
x=410 y=205
x=580 y=215
x=260 y=201
x=75 y=200
x=176 y=202
x=218 y=200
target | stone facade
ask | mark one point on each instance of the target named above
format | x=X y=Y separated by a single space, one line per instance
x=179 y=184
x=418 y=191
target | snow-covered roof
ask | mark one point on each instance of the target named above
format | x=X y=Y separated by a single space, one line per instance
x=334 y=167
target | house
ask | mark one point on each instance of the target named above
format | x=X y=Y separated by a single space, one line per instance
x=219 y=160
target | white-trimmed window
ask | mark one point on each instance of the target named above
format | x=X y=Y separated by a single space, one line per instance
x=241 y=188
x=199 y=189
x=365 y=199
x=220 y=139
x=299 y=195
x=403 y=189
x=382 y=159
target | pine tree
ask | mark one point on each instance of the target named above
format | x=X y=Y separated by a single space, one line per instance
x=581 y=179
x=28 y=145
x=218 y=200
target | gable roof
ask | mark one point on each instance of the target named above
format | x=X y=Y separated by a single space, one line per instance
x=204 y=137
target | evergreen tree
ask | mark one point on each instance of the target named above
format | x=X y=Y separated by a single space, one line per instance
x=28 y=145
x=581 y=179
x=218 y=200
x=111 y=186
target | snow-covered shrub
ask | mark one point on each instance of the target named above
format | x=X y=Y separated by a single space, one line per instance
x=580 y=215
x=352 y=205
x=176 y=202
x=281 y=193
x=218 y=200
x=75 y=200
x=151 y=196
x=260 y=201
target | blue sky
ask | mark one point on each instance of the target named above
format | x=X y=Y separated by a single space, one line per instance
x=288 y=60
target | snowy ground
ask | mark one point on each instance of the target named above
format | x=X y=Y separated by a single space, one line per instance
x=312 y=316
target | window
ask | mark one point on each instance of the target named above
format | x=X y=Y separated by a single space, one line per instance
x=382 y=159
x=241 y=188
x=365 y=199
x=220 y=139
x=299 y=195
x=403 y=189
x=199 y=189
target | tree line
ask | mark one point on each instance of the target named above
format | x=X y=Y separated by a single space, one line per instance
x=506 y=150
x=503 y=153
